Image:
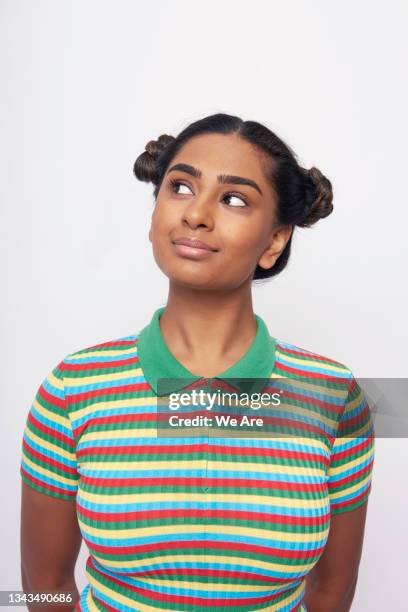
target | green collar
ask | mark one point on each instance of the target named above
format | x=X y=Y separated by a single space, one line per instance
x=157 y=362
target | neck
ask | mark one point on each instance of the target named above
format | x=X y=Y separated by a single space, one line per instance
x=208 y=331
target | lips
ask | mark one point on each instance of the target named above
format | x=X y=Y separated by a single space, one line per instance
x=194 y=243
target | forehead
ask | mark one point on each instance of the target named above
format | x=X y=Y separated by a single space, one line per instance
x=223 y=154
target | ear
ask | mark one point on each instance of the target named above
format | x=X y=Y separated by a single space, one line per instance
x=277 y=243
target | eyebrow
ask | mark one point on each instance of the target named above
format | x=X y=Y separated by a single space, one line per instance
x=221 y=178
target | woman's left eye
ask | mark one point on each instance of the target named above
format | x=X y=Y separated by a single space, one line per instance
x=233 y=195
x=176 y=184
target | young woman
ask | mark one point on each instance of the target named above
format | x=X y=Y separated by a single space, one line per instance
x=189 y=523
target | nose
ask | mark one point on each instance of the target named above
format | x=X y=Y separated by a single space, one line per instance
x=200 y=211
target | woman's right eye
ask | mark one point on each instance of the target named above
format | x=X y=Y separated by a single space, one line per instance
x=176 y=184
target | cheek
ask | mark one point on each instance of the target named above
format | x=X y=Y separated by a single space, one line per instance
x=160 y=231
x=247 y=239
x=158 y=228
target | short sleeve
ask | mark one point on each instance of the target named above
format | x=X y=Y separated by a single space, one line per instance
x=48 y=461
x=352 y=457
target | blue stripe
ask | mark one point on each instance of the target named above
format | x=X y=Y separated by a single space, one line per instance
x=49 y=453
x=199 y=473
x=350 y=496
x=45 y=479
x=206 y=536
x=222 y=567
x=132 y=380
x=59 y=393
x=53 y=425
x=150 y=506
x=345 y=473
x=270 y=444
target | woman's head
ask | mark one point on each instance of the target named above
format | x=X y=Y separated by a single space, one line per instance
x=199 y=193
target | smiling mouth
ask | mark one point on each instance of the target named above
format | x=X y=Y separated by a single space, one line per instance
x=193 y=252
x=193 y=243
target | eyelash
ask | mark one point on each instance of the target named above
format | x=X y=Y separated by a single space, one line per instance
x=174 y=182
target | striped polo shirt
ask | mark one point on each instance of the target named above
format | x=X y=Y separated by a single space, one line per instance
x=207 y=521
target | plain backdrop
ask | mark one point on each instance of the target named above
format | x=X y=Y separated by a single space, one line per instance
x=85 y=84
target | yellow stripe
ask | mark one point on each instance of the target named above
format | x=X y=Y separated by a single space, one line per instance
x=54 y=381
x=52 y=416
x=300 y=411
x=297 y=443
x=101 y=353
x=44 y=444
x=231 y=588
x=111 y=404
x=350 y=464
x=123 y=433
x=164 y=465
x=90 y=602
x=48 y=473
x=268 y=468
x=139 y=498
x=352 y=489
x=301 y=363
x=352 y=404
x=101 y=378
x=144 y=465
x=313 y=386
x=256 y=564
x=267 y=534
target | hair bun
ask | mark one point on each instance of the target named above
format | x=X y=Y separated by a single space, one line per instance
x=319 y=197
x=156 y=147
x=144 y=167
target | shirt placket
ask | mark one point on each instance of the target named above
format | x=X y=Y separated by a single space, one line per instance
x=206 y=488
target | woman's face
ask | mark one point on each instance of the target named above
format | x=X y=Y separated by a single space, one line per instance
x=236 y=220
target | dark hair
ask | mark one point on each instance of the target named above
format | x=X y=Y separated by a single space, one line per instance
x=303 y=196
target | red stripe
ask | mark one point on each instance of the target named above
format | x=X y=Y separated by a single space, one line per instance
x=45 y=459
x=306 y=401
x=205 y=572
x=349 y=502
x=98 y=365
x=53 y=433
x=80 y=397
x=297 y=351
x=202 y=448
x=145 y=515
x=355 y=423
x=306 y=374
x=209 y=573
x=200 y=545
x=196 y=481
x=351 y=477
x=356 y=448
x=50 y=398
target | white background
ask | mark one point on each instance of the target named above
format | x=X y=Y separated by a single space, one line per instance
x=85 y=84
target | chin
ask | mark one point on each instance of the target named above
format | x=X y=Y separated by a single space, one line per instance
x=190 y=278
x=193 y=280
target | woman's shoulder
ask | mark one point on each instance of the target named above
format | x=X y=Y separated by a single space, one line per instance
x=290 y=356
x=115 y=348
